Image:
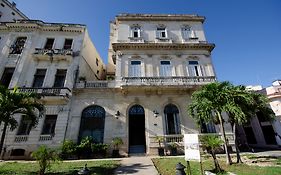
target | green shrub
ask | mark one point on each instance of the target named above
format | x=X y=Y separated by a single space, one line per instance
x=45 y=156
x=68 y=149
x=99 y=149
x=116 y=142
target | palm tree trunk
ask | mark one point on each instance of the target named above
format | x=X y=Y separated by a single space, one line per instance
x=239 y=160
x=228 y=158
x=3 y=136
x=216 y=162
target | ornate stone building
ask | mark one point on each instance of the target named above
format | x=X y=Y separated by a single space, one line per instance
x=156 y=62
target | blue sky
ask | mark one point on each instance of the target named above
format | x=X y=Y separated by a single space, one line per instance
x=247 y=33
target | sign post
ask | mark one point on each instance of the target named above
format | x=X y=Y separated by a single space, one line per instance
x=191 y=150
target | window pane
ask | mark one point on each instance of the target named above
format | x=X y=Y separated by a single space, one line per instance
x=39 y=77
x=7 y=76
x=135 y=62
x=192 y=62
x=25 y=126
x=67 y=43
x=60 y=78
x=165 y=68
x=135 y=69
x=49 y=124
x=17 y=47
x=49 y=43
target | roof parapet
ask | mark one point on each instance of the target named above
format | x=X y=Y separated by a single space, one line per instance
x=159 y=17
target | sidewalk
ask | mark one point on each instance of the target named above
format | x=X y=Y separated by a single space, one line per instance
x=137 y=166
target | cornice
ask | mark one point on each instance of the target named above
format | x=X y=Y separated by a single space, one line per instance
x=33 y=25
x=163 y=46
x=159 y=17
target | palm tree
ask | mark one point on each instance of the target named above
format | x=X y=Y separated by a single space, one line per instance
x=14 y=102
x=208 y=104
x=259 y=103
x=211 y=143
x=213 y=99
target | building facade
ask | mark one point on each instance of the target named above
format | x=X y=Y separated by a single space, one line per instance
x=261 y=133
x=47 y=59
x=156 y=61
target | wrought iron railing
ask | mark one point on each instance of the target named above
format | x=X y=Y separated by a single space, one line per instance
x=47 y=91
x=53 y=52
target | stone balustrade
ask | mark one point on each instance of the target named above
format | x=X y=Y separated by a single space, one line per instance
x=173 y=81
x=21 y=138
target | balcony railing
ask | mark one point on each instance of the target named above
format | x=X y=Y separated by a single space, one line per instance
x=45 y=137
x=95 y=84
x=179 y=138
x=53 y=52
x=21 y=138
x=66 y=92
x=169 y=81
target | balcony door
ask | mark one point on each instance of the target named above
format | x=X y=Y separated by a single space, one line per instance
x=194 y=69
x=135 y=69
x=165 y=69
x=137 y=129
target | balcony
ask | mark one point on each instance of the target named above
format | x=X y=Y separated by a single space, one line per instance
x=53 y=54
x=49 y=93
x=167 y=81
x=95 y=84
x=45 y=137
x=21 y=138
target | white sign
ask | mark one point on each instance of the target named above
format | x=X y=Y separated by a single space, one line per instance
x=191 y=147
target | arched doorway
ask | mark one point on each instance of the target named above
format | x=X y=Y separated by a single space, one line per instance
x=92 y=123
x=172 y=119
x=137 y=130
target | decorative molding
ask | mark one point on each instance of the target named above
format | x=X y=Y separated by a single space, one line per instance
x=163 y=46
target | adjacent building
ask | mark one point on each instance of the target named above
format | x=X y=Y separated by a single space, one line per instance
x=260 y=133
x=45 y=58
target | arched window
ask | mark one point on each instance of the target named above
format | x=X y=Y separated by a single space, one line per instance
x=172 y=119
x=136 y=110
x=92 y=123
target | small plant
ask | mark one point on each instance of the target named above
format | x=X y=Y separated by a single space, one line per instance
x=116 y=142
x=211 y=143
x=68 y=149
x=173 y=148
x=45 y=156
x=85 y=146
x=99 y=149
x=160 y=139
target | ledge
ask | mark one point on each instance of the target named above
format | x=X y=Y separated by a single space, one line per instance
x=163 y=46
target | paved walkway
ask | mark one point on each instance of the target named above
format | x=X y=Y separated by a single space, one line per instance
x=137 y=165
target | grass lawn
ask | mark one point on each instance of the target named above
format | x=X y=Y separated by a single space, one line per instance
x=97 y=167
x=166 y=166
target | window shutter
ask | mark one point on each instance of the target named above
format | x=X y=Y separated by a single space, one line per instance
x=192 y=34
x=158 y=34
x=202 y=70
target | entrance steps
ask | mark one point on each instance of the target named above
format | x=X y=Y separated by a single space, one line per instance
x=137 y=149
